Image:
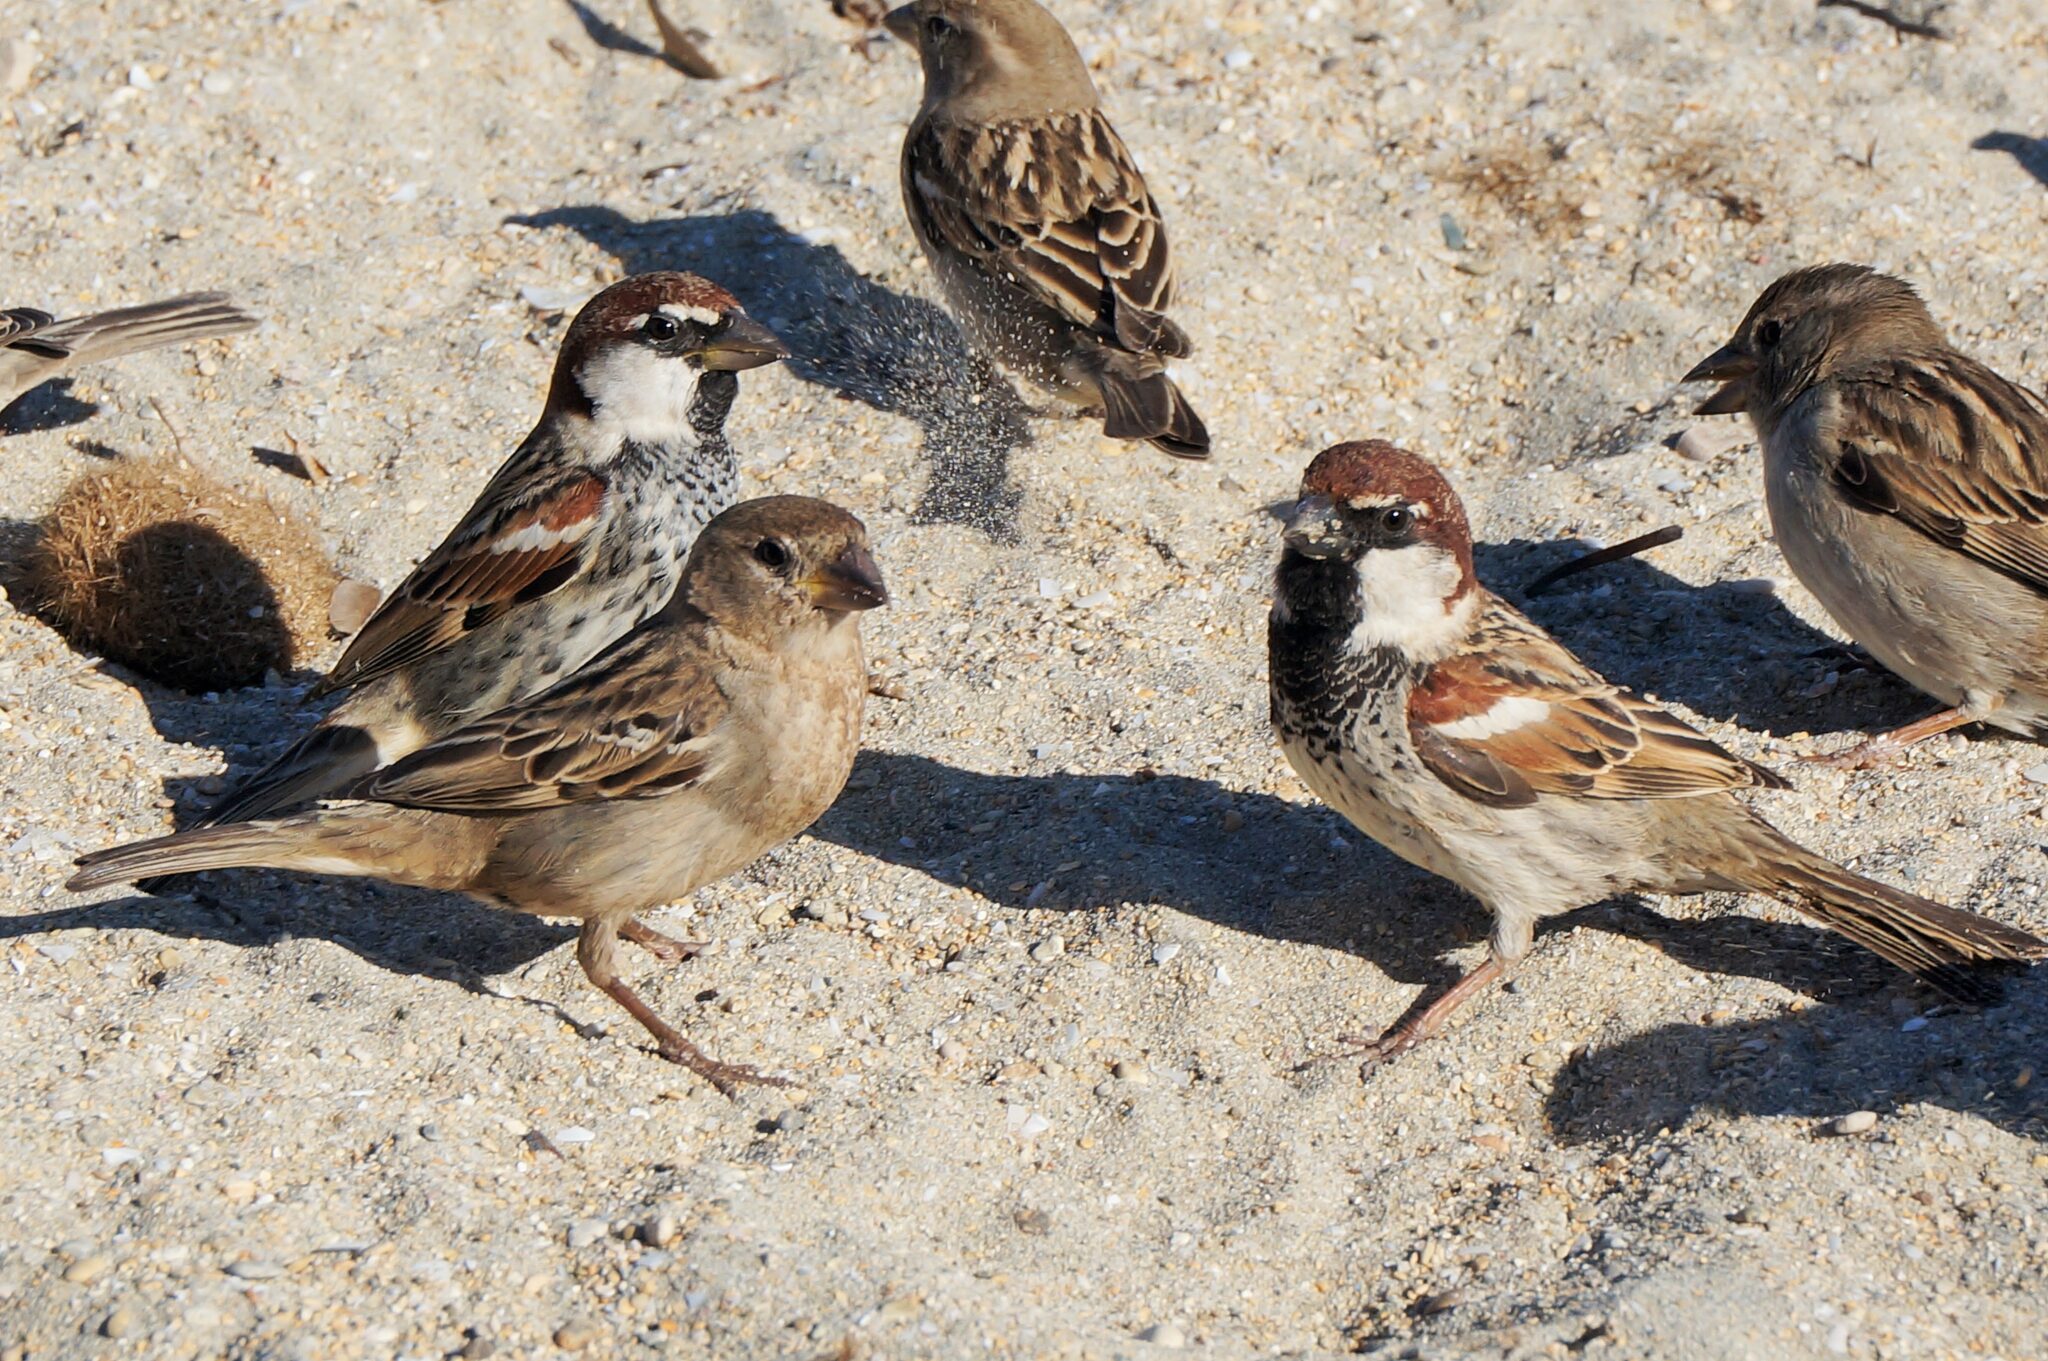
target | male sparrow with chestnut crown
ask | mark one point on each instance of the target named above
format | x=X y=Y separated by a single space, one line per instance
x=1907 y=487
x=713 y=732
x=1456 y=733
x=36 y=347
x=577 y=538
x=1035 y=219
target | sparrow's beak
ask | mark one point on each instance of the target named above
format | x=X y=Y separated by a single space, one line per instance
x=1732 y=366
x=741 y=343
x=1315 y=530
x=849 y=582
x=901 y=22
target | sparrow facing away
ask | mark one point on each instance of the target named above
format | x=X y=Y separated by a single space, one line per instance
x=710 y=734
x=577 y=538
x=36 y=347
x=1460 y=736
x=1036 y=220
x=1908 y=489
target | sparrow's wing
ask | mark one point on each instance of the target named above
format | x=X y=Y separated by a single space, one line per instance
x=22 y=328
x=1056 y=206
x=528 y=534
x=103 y=335
x=644 y=718
x=1955 y=451
x=1513 y=715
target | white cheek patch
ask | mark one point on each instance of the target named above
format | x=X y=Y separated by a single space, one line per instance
x=1402 y=595
x=1503 y=715
x=700 y=316
x=645 y=396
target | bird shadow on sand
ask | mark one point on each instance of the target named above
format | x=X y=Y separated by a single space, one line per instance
x=1290 y=871
x=1083 y=841
x=46 y=406
x=610 y=36
x=1815 y=1063
x=402 y=930
x=863 y=340
x=2030 y=152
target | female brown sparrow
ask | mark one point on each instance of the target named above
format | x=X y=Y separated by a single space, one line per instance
x=1036 y=220
x=1907 y=487
x=577 y=538
x=710 y=734
x=1460 y=736
x=35 y=347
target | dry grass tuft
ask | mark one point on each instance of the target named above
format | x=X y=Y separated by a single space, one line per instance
x=1543 y=186
x=190 y=582
x=1530 y=181
x=1711 y=167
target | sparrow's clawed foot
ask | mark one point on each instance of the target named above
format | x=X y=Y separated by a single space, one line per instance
x=1422 y=1024
x=595 y=952
x=665 y=948
x=670 y=1044
x=1883 y=748
x=727 y=1077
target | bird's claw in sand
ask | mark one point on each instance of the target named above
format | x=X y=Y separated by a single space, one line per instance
x=663 y=947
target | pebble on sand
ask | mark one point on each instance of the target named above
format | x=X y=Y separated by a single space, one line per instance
x=126 y=1320
x=1855 y=1122
x=576 y=1334
x=88 y=1269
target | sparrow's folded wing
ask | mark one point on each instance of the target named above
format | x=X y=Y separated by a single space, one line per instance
x=642 y=719
x=1955 y=451
x=23 y=328
x=123 y=330
x=1058 y=207
x=527 y=535
x=1514 y=716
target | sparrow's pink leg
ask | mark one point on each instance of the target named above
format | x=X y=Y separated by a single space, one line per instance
x=1426 y=1022
x=665 y=948
x=595 y=953
x=1886 y=746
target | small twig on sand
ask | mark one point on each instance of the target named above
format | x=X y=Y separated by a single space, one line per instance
x=1899 y=22
x=176 y=442
x=1600 y=557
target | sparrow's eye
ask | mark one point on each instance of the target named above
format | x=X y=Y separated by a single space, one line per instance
x=938 y=25
x=659 y=327
x=1396 y=519
x=771 y=553
x=1767 y=333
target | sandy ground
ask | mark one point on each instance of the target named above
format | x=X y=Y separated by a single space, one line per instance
x=1046 y=972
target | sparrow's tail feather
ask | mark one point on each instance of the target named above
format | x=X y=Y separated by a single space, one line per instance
x=103 y=335
x=1139 y=401
x=365 y=841
x=1946 y=946
x=326 y=763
